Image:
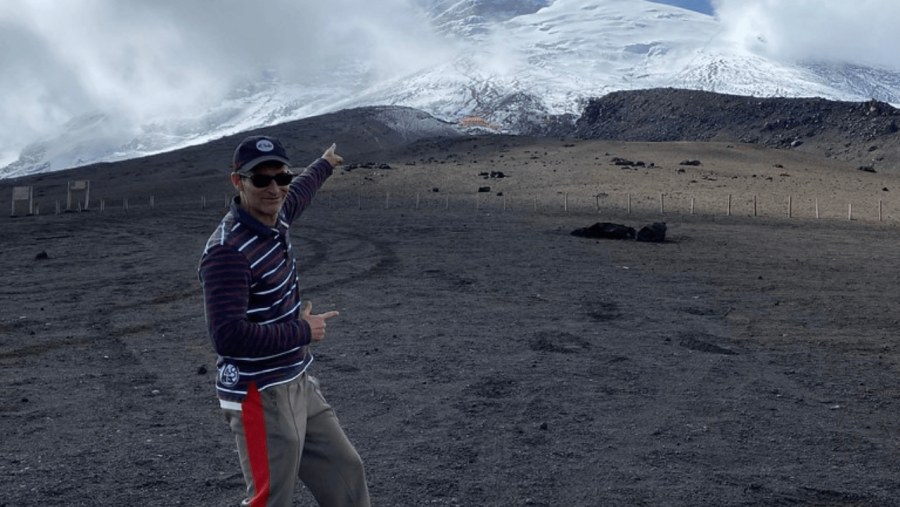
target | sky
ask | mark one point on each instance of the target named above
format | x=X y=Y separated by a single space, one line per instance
x=704 y=6
x=145 y=61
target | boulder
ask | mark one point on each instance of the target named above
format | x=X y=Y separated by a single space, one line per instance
x=605 y=230
x=653 y=233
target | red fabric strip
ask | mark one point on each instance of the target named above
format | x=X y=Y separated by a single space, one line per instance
x=255 y=436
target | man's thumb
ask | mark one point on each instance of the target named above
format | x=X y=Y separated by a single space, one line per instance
x=306 y=311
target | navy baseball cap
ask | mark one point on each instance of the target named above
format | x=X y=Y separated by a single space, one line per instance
x=255 y=150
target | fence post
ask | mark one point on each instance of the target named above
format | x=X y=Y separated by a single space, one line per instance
x=754 y=205
x=662 y=206
x=629 y=203
x=817 y=207
x=729 y=205
x=790 y=206
x=692 y=205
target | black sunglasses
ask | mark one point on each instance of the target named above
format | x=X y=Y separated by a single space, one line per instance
x=263 y=180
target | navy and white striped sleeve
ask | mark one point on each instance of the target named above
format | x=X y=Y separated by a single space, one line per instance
x=304 y=187
x=225 y=275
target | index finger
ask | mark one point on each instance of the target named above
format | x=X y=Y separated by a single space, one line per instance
x=331 y=148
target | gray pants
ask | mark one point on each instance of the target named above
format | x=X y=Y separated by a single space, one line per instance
x=287 y=432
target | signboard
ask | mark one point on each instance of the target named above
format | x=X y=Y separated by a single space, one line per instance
x=76 y=187
x=23 y=194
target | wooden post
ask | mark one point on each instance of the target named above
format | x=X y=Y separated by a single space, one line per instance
x=359 y=200
x=566 y=202
x=662 y=206
x=729 y=204
x=849 y=211
x=880 y=211
x=125 y=204
x=754 y=205
x=817 y=207
x=597 y=201
x=417 y=200
x=629 y=203
x=790 y=206
x=152 y=202
x=692 y=205
x=387 y=200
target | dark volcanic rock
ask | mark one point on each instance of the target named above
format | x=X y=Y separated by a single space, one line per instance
x=653 y=233
x=605 y=230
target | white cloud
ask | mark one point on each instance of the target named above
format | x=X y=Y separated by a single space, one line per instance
x=146 y=60
x=859 y=31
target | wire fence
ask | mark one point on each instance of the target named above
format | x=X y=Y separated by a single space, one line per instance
x=787 y=206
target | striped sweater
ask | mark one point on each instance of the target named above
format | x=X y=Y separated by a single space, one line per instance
x=251 y=287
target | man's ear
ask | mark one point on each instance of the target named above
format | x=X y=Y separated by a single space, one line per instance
x=236 y=181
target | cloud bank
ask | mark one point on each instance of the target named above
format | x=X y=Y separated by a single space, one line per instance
x=143 y=62
x=859 y=31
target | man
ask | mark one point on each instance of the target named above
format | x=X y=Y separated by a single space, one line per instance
x=284 y=428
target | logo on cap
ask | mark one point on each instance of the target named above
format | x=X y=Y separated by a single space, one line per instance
x=264 y=145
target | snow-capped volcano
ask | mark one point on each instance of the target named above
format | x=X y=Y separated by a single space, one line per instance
x=522 y=65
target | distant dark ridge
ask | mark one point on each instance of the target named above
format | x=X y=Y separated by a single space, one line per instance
x=361 y=134
x=846 y=130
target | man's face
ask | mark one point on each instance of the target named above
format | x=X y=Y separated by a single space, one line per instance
x=263 y=203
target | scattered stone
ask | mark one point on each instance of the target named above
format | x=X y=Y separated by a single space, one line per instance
x=867 y=168
x=370 y=165
x=484 y=189
x=544 y=426
x=690 y=162
x=41 y=256
x=435 y=190
x=796 y=143
x=621 y=161
x=201 y=370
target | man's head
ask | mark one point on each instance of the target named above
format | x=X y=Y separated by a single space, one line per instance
x=261 y=175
